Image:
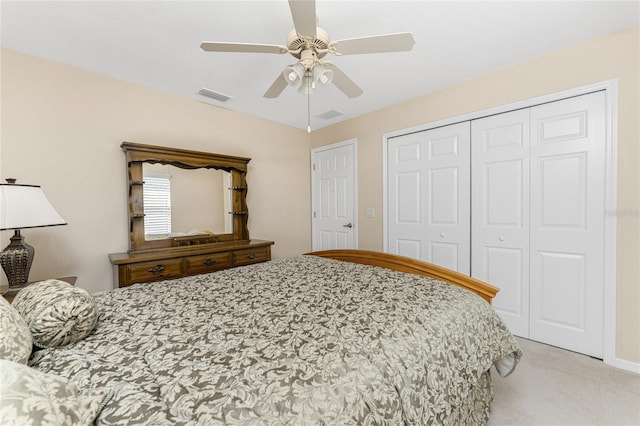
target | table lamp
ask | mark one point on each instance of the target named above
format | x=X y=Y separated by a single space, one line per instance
x=22 y=206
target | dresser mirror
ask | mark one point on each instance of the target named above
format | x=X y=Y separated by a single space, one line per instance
x=182 y=202
x=181 y=198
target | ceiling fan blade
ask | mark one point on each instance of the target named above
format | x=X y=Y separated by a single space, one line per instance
x=375 y=44
x=344 y=83
x=276 y=88
x=303 y=13
x=214 y=46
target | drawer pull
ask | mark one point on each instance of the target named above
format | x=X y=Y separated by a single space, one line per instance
x=209 y=261
x=251 y=256
x=158 y=269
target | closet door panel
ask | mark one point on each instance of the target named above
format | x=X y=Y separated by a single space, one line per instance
x=448 y=207
x=505 y=265
x=503 y=192
x=500 y=212
x=445 y=254
x=406 y=202
x=560 y=291
x=408 y=247
x=429 y=196
x=567 y=223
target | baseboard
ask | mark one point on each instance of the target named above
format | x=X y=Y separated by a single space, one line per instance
x=623 y=364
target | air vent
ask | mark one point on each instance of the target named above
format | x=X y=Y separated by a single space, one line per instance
x=214 y=95
x=330 y=114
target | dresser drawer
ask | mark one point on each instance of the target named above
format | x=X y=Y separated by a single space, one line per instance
x=208 y=263
x=249 y=256
x=153 y=271
x=182 y=261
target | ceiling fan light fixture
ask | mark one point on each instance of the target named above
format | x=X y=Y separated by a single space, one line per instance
x=307 y=86
x=294 y=74
x=322 y=75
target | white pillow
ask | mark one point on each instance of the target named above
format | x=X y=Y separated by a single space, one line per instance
x=29 y=396
x=15 y=338
x=56 y=312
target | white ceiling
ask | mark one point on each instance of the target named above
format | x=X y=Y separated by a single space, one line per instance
x=156 y=43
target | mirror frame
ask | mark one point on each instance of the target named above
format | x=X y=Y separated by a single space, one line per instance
x=137 y=154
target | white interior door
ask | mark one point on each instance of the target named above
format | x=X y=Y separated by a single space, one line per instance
x=567 y=223
x=334 y=197
x=428 y=196
x=500 y=212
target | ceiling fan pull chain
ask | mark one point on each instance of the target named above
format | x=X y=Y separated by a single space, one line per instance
x=308 y=107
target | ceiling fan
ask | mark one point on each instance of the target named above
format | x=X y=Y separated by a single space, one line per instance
x=309 y=44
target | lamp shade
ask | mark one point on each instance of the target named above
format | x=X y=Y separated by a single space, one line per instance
x=26 y=206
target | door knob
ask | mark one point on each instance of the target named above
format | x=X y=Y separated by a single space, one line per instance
x=348 y=225
x=501 y=238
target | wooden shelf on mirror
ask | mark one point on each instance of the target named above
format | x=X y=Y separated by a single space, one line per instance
x=137 y=155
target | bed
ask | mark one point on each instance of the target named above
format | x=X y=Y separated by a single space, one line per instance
x=341 y=337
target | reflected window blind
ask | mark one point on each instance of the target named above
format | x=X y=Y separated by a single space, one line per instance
x=156 y=193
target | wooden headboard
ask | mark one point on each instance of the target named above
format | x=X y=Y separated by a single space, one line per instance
x=412 y=266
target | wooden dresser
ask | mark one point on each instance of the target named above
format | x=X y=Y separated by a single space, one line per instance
x=165 y=264
x=199 y=245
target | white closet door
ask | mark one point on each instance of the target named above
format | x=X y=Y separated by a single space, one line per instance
x=567 y=223
x=500 y=212
x=405 y=196
x=428 y=187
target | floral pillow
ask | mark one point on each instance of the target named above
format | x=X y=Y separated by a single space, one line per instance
x=56 y=312
x=29 y=396
x=15 y=338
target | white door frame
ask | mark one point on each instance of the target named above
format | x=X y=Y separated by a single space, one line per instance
x=314 y=152
x=611 y=152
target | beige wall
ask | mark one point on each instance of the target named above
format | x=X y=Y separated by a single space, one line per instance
x=62 y=128
x=615 y=56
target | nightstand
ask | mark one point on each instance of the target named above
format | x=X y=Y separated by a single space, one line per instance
x=10 y=294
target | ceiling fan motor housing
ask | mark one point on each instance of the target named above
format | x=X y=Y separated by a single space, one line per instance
x=297 y=43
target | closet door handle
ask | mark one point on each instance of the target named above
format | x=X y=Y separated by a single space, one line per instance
x=348 y=225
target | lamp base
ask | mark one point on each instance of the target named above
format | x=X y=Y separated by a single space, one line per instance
x=16 y=260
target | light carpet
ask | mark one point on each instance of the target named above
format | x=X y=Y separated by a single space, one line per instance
x=553 y=386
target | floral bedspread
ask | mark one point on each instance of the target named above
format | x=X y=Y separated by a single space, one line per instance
x=296 y=341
